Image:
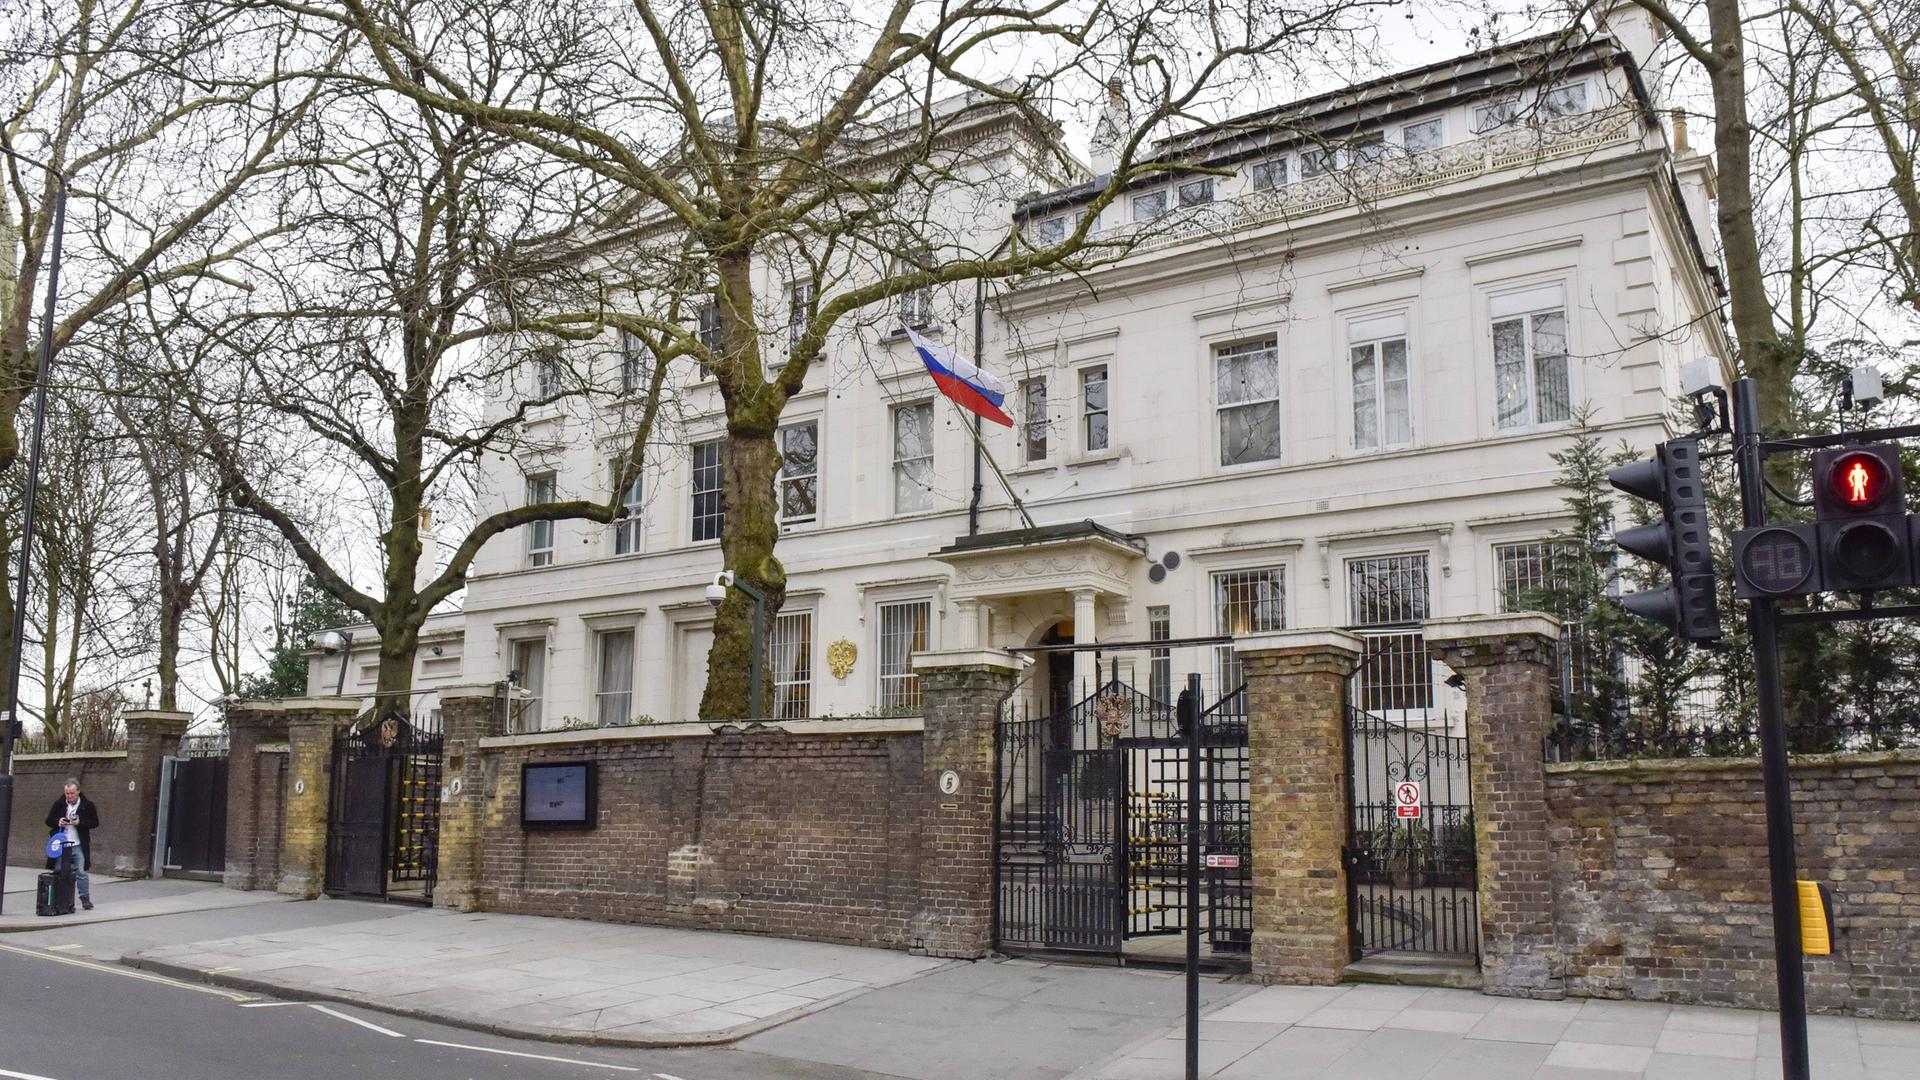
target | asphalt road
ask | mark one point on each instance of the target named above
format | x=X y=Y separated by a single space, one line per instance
x=67 y=1018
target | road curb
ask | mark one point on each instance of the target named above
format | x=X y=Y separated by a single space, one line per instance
x=722 y=1037
x=95 y=918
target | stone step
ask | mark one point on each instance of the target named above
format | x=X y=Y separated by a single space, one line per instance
x=1415 y=969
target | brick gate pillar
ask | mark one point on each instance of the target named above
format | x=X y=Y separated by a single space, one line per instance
x=962 y=692
x=253 y=813
x=1508 y=661
x=152 y=734
x=468 y=714
x=1297 y=767
x=312 y=726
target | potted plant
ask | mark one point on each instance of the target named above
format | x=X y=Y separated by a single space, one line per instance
x=1406 y=849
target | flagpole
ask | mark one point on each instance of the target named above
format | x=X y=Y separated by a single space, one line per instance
x=981 y=451
x=979 y=351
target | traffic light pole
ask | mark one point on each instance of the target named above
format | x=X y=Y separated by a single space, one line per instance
x=1762 y=625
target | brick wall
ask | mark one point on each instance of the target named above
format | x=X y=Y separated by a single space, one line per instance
x=36 y=783
x=1660 y=877
x=802 y=835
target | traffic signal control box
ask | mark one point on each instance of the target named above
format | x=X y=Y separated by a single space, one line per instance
x=1816 y=919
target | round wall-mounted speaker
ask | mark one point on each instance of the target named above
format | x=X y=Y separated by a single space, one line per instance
x=1156 y=573
x=1171 y=560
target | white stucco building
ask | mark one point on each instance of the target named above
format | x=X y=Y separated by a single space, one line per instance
x=1323 y=392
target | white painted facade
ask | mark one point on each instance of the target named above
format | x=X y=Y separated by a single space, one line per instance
x=1430 y=255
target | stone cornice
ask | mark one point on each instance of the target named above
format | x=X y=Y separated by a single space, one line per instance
x=1326 y=639
x=901 y=725
x=301 y=704
x=1084 y=562
x=970 y=658
x=1471 y=630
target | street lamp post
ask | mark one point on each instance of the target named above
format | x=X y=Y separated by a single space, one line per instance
x=10 y=722
x=716 y=595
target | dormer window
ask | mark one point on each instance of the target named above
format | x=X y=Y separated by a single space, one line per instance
x=1568 y=100
x=1196 y=192
x=1494 y=115
x=1051 y=231
x=1317 y=161
x=1424 y=135
x=1367 y=149
x=1269 y=174
x=1150 y=205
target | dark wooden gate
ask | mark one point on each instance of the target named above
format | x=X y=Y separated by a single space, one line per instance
x=1092 y=824
x=383 y=821
x=196 y=825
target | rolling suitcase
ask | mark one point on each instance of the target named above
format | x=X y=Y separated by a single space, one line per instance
x=53 y=894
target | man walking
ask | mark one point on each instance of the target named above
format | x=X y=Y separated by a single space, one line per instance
x=74 y=815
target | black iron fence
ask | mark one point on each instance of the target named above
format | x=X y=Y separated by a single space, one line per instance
x=1699 y=736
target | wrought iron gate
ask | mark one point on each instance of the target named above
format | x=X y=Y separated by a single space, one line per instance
x=195 y=840
x=383 y=822
x=1091 y=821
x=1410 y=877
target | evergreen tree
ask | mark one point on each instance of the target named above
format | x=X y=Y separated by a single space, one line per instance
x=1622 y=678
x=1593 y=691
x=314 y=609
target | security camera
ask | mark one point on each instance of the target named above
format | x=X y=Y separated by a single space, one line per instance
x=717 y=592
x=1698 y=376
x=1868 y=390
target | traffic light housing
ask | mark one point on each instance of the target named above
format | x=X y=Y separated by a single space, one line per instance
x=1860 y=509
x=1678 y=540
x=1861 y=539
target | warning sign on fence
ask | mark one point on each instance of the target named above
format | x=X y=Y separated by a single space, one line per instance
x=1406 y=799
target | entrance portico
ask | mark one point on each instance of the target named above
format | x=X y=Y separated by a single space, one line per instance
x=1011 y=588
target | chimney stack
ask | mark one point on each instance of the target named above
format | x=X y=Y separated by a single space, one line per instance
x=1113 y=130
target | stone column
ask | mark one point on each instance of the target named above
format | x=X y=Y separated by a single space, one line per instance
x=152 y=734
x=966 y=614
x=312 y=725
x=1085 y=667
x=469 y=714
x=1297 y=761
x=1508 y=663
x=249 y=724
x=962 y=692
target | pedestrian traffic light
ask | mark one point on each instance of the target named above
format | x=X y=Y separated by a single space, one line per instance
x=1860 y=511
x=1861 y=537
x=1678 y=540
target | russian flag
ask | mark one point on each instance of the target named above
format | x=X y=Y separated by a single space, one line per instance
x=969 y=387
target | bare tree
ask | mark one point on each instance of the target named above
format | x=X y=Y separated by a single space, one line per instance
x=1871 y=92
x=157 y=117
x=791 y=166
x=1722 y=56
x=346 y=395
x=86 y=600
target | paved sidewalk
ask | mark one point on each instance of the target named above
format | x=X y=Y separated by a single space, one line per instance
x=1405 y=1033
x=556 y=979
x=118 y=899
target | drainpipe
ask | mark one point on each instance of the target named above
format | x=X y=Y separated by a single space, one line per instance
x=979 y=349
x=979 y=360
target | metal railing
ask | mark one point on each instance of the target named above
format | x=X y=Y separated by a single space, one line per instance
x=1731 y=738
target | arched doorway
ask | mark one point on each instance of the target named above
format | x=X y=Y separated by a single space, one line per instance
x=1061 y=693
